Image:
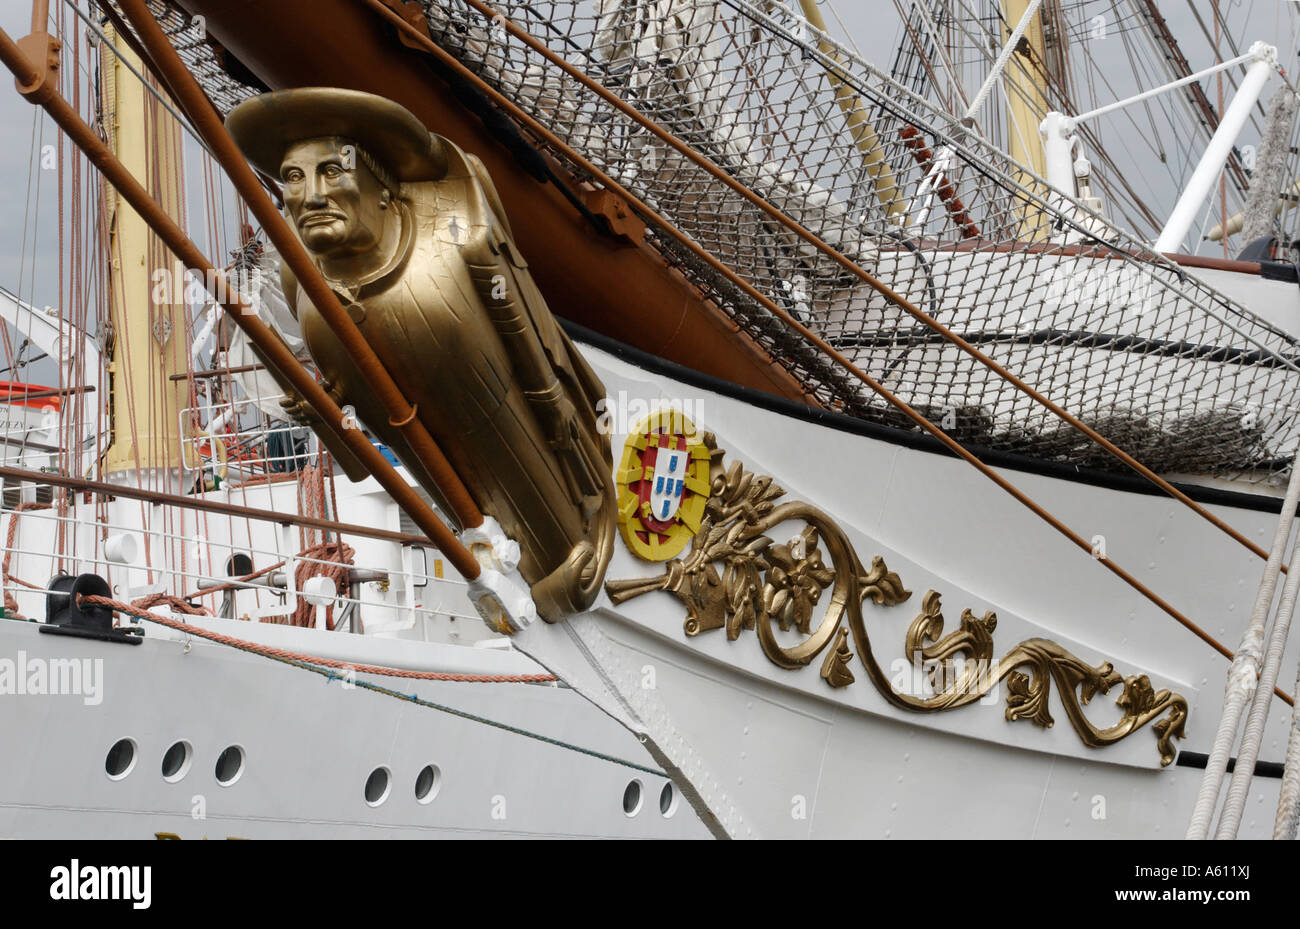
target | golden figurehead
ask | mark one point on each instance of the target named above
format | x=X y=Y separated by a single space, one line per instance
x=409 y=232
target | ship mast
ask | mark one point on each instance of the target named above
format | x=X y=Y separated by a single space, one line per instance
x=1026 y=101
x=146 y=292
x=856 y=119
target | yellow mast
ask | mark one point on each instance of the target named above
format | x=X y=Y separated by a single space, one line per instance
x=855 y=117
x=148 y=320
x=1027 y=104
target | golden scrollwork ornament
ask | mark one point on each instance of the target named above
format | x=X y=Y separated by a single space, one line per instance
x=735 y=576
x=835 y=669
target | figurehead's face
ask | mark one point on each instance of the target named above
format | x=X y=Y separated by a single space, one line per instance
x=336 y=202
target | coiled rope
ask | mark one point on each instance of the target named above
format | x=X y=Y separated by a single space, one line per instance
x=329 y=559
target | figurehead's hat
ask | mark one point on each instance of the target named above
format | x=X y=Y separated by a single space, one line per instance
x=265 y=127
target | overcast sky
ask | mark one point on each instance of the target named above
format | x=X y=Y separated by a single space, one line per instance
x=16 y=152
x=28 y=195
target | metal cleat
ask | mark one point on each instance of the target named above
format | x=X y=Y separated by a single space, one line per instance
x=65 y=614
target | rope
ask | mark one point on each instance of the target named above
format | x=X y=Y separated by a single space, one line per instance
x=322 y=666
x=11 y=605
x=996 y=71
x=1248 y=752
x=268 y=651
x=424 y=41
x=179 y=604
x=338 y=556
x=412 y=698
x=1288 y=801
x=1243 y=674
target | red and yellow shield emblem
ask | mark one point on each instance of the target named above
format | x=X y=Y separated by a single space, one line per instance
x=663 y=485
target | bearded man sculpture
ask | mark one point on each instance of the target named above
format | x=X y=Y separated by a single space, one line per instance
x=409 y=232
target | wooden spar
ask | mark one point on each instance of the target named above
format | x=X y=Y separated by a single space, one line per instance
x=855 y=117
x=195 y=104
x=11 y=395
x=852 y=268
x=892 y=296
x=37 y=81
x=626 y=292
x=107 y=490
x=219 y=372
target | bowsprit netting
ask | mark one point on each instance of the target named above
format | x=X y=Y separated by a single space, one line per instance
x=1159 y=363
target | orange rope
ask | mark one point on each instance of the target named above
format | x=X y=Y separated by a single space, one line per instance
x=176 y=603
x=270 y=652
x=339 y=556
x=337 y=553
x=11 y=605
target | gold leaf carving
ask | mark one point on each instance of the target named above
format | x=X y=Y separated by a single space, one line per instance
x=883 y=586
x=734 y=576
x=835 y=669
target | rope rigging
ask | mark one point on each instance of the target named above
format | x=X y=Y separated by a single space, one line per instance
x=329 y=668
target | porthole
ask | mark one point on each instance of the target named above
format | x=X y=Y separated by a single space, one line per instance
x=176 y=762
x=427 y=783
x=632 y=798
x=667 y=801
x=120 y=760
x=377 y=786
x=230 y=765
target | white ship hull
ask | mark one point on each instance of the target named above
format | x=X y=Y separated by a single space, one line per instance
x=309 y=747
x=780 y=753
x=772 y=752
